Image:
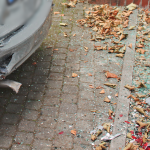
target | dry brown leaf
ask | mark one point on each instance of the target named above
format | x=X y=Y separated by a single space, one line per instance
x=91 y=86
x=141 y=124
x=74 y=132
x=110 y=85
x=93 y=137
x=102 y=91
x=129 y=87
x=120 y=55
x=141 y=51
x=65 y=34
x=130 y=46
x=140 y=95
x=129 y=135
x=106 y=126
x=140 y=110
x=107 y=99
x=89 y=74
x=110 y=112
x=142 y=85
x=135 y=98
x=116 y=95
x=63 y=24
x=74 y=75
x=99 y=87
x=132 y=6
x=56 y=12
x=131 y=27
x=111 y=75
x=123 y=36
x=130 y=146
x=62 y=15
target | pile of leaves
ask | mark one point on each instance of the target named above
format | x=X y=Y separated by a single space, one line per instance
x=139 y=125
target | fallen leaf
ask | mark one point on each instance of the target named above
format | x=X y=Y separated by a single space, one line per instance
x=99 y=87
x=34 y=63
x=56 y=12
x=106 y=126
x=141 y=124
x=93 y=137
x=61 y=15
x=116 y=95
x=74 y=75
x=129 y=135
x=120 y=55
x=131 y=27
x=89 y=74
x=91 y=86
x=93 y=111
x=141 y=51
x=107 y=99
x=123 y=36
x=65 y=34
x=132 y=6
x=110 y=112
x=111 y=85
x=74 y=132
x=142 y=85
x=140 y=95
x=55 y=49
x=130 y=146
x=140 y=110
x=111 y=75
x=102 y=91
x=130 y=45
x=63 y=24
x=135 y=98
x=129 y=87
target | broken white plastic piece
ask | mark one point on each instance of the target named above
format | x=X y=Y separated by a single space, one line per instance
x=109 y=137
x=15 y=86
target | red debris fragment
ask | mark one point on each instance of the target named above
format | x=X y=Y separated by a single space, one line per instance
x=61 y=132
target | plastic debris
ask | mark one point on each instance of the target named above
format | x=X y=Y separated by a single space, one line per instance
x=109 y=137
x=15 y=86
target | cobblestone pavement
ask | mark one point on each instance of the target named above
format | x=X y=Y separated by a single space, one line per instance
x=50 y=102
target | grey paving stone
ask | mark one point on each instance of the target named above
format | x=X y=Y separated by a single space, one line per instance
x=51 y=101
x=10 y=118
x=57 y=69
x=5 y=141
x=7 y=130
x=69 y=98
x=54 y=84
x=26 y=125
x=41 y=144
x=47 y=122
x=20 y=147
x=63 y=142
x=50 y=111
x=68 y=108
x=35 y=95
x=52 y=92
x=23 y=138
x=14 y=108
x=18 y=99
x=71 y=89
x=35 y=105
x=44 y=133
x=55 y=76
x=30 y=114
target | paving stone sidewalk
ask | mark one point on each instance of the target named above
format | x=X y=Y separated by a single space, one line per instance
x=50 y=102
